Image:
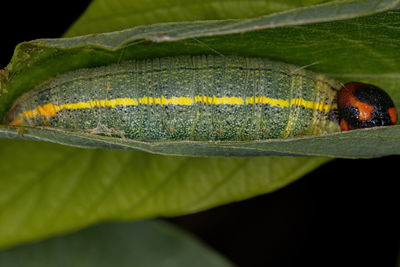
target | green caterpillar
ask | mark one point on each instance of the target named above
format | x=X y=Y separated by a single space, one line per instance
x=197 y=98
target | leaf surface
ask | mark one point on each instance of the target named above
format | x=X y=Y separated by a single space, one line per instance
x=48 y=189
x=145 y=244
x=53 y=189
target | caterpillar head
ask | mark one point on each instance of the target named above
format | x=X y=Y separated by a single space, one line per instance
x=364 y=105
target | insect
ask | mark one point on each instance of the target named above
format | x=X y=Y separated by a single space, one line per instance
x=201 y=98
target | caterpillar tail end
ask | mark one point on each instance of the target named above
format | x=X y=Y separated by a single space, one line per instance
x=12 y=118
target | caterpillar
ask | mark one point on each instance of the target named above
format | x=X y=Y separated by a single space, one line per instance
x=201 y=98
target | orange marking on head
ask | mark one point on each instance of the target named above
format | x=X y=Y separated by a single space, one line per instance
x=343 y=125
x=364 y=110
x=346 y=94
x=392 y=115
x=346 y=98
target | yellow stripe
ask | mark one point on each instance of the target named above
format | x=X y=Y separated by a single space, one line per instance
x=51 y=109
x=267 y=100
x=214 y=100
x=148 y=100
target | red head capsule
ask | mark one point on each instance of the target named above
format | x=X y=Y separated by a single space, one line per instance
x=364 y=105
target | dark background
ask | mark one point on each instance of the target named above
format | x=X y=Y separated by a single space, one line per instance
x=342 y=214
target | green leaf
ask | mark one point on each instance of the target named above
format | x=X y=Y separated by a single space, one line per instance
x=47 y=189
x=106 y=16
x=51 y=189
x=145 y=244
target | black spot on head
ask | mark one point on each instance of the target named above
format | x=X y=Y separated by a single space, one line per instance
x=379 y=100
x=374 y=96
